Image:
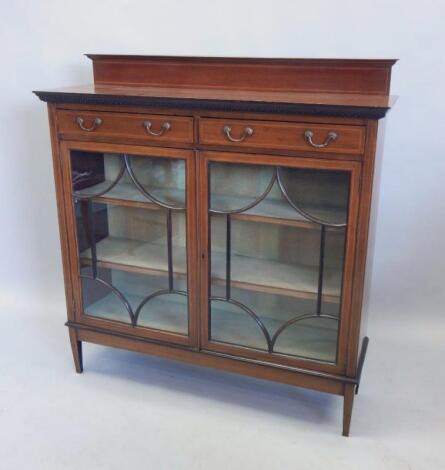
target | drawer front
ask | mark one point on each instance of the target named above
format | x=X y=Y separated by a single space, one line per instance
x=283 y=135
x=144 y=127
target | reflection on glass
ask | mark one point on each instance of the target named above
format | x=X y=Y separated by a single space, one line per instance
x=166 y=312
x=132 y=255
x=228 y=195
x=129 y=177
x=163 y=179
x=313 y=338
x=320 y=194
x=276 y=267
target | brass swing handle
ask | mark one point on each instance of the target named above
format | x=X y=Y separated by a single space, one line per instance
x=96 y=123
x=248 y=131
x=330 y=138
x=164 y=128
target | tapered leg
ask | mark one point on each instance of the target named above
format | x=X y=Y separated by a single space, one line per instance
x=76 y=347
x=348 y=401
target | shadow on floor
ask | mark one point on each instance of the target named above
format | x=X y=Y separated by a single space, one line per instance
x=269 y=397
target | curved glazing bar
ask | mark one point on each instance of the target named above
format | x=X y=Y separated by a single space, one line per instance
x=148 y=195
x=252 y=314
x=299 y=209
x=116 y=292
x=154 y=295
x=297 y=319
x=79 y=195
x=254 y=203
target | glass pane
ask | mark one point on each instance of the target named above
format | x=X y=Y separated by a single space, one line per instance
x=131 y=233
x=276 y=261
x=129 y=178
x=320 y=194
x=227 y=195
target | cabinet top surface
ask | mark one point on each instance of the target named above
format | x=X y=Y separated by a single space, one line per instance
x=238 y=59
x=354 y=87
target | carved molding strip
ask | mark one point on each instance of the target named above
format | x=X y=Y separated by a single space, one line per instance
x=215 y=105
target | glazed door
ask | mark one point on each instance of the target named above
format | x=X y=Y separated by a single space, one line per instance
x=132 y=211
x=277 y=246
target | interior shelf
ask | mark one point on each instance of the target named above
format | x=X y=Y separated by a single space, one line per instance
x=274 y=210
x=137 y=256
x=246 y=273
x=270 y=210
x=126 y=194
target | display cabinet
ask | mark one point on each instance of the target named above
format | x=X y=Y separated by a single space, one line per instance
x=219 y=211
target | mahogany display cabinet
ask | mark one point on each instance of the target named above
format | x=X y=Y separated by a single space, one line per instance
x=219 y=211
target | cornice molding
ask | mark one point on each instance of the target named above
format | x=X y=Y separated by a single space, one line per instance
x=214 y=105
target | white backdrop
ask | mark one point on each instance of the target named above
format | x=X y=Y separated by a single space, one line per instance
x=43 y=43
x=42 y=46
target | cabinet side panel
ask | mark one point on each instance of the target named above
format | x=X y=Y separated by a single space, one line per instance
x=366 y=197
x=372 y=229
x=58 y=179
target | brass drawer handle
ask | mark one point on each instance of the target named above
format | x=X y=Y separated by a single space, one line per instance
x=96 y=123
x=330 y=138
x=248 y=131
x=164 y=128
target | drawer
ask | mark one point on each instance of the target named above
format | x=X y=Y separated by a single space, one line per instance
x=144 y=127
x=324 y=138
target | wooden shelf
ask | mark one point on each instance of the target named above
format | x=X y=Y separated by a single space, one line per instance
x=273 y=211
x=269 y=211
x=258 y=275
x=126 y=194
x=137 y=256
x=276 y=277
